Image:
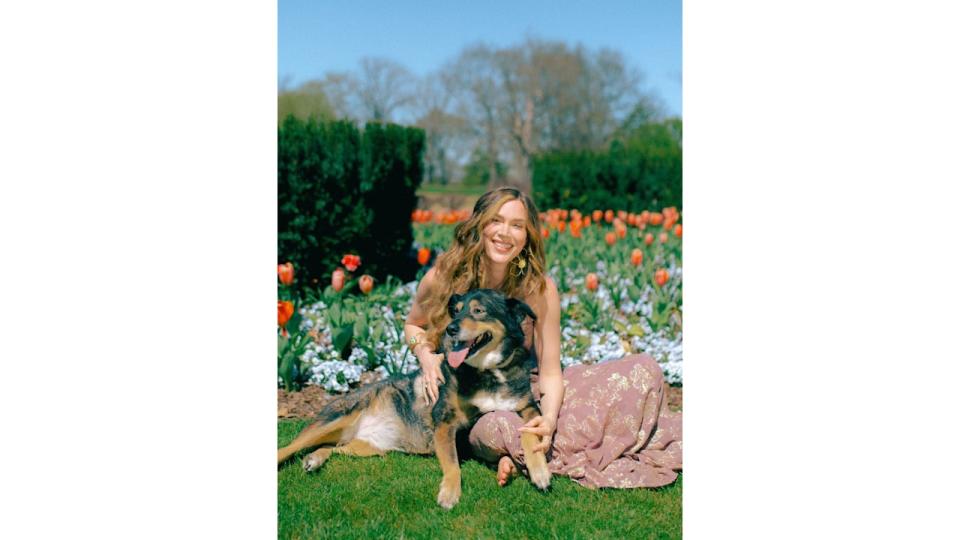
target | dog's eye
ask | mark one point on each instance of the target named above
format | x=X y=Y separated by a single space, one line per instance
x=479 y=312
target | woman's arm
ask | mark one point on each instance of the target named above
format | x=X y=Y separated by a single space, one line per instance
x=414 y=329
x=547 y=338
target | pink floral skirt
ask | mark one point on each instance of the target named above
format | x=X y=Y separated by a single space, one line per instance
x=614 y=428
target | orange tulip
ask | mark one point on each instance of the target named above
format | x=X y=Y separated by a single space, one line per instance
x=660 y=277
x=592 y=282
x=597 y=215
x=678 y=231
x=564 y=215
x=561 y=226
x=285 y=271
x=423 y=256
x=611 y=238
x=366 y=284
x=608 y=216
x=636 y=257
x=350 y=261
x=648 y=239
x=337 y=279
x=622 y=214
x=632 y=219
x=663 y=238
x=544 y=232
x=586 y=221
x=645 y=217
x=656 y=218
x=622 y=231
x=284 y=312
x=575 y=229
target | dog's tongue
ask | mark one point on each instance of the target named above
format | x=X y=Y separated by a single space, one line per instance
x=455 y=358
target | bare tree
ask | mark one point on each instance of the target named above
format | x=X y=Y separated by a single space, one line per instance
x=383 y=87
x=447 y=134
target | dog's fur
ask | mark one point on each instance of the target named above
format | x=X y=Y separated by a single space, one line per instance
x=394 y=414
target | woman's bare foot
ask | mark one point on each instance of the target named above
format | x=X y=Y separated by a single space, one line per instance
x=505 y=470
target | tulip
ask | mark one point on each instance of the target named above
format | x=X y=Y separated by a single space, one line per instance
x=351 y=262
x=586 y=221
x=656 y=218
x=622 y=231
x=636 y=257
x=545 y=232
x=678 y=231
x=366 y=284
x=597 y=215
x=648 y=239
x=611 y=238
x=285 y=271
x=284 y=312
x=561 y=226
x=608 y=216
x=423 y=256
x=663 y=238
x=622 y=214
x=661 y=276
x=575 y=229
x=592 y=282
x=337 y=279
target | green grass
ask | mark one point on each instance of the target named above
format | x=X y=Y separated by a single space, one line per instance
x=451 y=189
x=395 y=497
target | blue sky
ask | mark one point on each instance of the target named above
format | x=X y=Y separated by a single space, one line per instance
x=320 y=36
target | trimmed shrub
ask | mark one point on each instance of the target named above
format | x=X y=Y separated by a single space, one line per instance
x=342 y=190
x=638 y=172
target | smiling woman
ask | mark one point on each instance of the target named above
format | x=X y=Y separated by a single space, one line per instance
x=500 y=247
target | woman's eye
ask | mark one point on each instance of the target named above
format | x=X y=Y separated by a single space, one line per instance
x=517 y=226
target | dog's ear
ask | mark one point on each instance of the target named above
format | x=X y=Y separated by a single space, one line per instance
x=520 y=310
x=452 y=304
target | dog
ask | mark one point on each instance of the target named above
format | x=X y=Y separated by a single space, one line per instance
x=487 y=368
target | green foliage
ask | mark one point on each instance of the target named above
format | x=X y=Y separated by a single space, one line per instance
x=477 y=171
x=642 y=169
x=346 y=499
x=289 y=366
x=342 y=190
x=308 y=101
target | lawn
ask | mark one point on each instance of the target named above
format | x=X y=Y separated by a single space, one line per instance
x=395 y=497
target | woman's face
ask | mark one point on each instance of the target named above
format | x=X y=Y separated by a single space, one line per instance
x=506 y=235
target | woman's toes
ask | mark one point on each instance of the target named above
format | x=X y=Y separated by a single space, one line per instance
x=505 y=469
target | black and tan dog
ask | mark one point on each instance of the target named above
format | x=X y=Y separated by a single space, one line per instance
x=487 y=369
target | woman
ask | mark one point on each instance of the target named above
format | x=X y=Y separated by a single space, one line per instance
x=613 y=430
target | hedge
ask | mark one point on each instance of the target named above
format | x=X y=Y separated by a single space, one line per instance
x=639 y=172
x=343 y=190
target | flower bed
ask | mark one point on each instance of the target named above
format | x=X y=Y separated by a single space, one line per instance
x=620 y=287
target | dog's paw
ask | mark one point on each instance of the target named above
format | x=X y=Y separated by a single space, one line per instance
x=449 y=496
x=313 y=462
x=540 y=476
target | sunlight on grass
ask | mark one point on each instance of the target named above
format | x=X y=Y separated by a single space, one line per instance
x=395 y=497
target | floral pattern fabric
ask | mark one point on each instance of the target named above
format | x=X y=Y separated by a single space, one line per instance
x=613 y=430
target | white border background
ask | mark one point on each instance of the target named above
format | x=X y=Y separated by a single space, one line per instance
x=138 y=214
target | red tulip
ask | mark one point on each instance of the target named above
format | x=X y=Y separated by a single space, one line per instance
x=597 y=215
x=575 y=229
x=586 y=221
x=636 y=257
x=351 y=262
x=661 y=276
x=366 y=284
x=284 y=312
x=561 y=226
x=544 y=232
x=648 y=239
x=663 y=238
x=611 y=238
x=608 y=216
x=337 y=279
x=656 y=218
x=285 y=271
x=423 y=256
x=678 y=231
x=592 y=282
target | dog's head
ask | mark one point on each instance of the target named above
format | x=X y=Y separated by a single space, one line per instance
x=485 y=329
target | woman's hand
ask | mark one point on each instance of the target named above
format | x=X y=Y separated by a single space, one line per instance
x=432 y=377
x=542 y=426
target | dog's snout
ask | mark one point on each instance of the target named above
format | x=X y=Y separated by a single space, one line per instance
x=453 y=329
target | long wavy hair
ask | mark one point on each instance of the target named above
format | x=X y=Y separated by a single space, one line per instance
x=460 y=268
